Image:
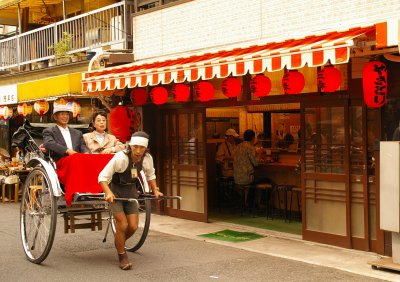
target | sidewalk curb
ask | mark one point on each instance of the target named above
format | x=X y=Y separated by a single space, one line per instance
x=278 y=244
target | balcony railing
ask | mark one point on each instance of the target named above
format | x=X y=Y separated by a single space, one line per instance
x=108 y=26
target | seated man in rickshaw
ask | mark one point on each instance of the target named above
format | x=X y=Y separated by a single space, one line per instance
x=62 y=140
x=122 y=172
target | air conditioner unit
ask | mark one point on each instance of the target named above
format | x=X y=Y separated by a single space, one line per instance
x=96 y=36
x=116 y=29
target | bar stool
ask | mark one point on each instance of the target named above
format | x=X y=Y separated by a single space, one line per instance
x=242 y=189
x=295 y=191
x=284 y=189
x=269 y=193
x=225 y=188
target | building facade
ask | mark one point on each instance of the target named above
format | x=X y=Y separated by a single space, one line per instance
x=205 y=46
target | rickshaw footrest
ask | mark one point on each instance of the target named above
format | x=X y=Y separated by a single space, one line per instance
x=70 y=218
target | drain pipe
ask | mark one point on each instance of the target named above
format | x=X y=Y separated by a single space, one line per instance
x=95 y=62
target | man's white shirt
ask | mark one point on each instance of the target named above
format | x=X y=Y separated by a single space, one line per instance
x=119 y=163
x=67 y=136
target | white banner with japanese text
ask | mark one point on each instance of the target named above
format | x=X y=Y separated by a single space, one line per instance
x=8 y=94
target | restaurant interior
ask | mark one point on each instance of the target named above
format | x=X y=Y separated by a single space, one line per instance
x=277 y=199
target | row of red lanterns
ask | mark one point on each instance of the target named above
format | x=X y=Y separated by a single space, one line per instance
x=329 y=79
x=159 y=95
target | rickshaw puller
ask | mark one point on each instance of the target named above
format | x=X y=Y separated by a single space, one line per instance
x=122 y=172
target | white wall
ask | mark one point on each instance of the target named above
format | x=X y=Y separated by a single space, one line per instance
x=202 y=24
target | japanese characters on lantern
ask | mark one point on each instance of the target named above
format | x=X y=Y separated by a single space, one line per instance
x=6 y=112
x=375 y=84
x=24 y=109
x=181 y=92
x=41 y=107
x=122 y=122
x=329 y=79
x=231 y=87
x=75 y=107
x=293 y=82
x=260 y=85
x=204 y=91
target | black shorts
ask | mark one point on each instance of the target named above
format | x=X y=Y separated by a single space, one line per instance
x=124 y=191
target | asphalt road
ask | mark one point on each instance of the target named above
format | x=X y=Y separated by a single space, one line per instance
x=84 y=257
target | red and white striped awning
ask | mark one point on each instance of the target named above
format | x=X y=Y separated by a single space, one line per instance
x=388 y=33
x=292 y=54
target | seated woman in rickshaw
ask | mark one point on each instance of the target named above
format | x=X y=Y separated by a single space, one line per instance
x=99 y=141
x=122 y=172
x=62 y=140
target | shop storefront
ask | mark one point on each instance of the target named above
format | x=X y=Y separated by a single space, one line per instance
x=8 y=98
x=44 y=92
x=331 y=130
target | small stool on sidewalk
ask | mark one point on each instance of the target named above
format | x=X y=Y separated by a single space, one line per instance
x=10 y=187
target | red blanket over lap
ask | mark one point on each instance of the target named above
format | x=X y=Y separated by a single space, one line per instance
x=79 y=173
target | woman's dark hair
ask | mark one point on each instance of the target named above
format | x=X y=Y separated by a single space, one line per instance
x=249 y=135
x=98 y=112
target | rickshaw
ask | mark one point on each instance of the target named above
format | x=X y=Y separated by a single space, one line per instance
x=43 y=198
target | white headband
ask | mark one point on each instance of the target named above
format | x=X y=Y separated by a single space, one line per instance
x=138 y=140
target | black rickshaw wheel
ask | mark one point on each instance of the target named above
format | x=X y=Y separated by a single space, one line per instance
x=38 y=216
x=137 y=240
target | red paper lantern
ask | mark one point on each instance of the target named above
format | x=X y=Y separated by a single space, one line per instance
x=204 y=91
x=260 y=85
x=75 y=107
x=159 y=95
x=375 y=84
x=24 y=109
x=293 y=82
x=41 y=107
x=122 y=122
x=329 y=79
x=181 y=92
x=231 y=87
x=138 y=96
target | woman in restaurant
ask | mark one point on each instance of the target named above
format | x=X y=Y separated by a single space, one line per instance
x=99 y=141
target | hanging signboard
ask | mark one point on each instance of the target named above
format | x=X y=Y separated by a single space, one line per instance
x=8 y=94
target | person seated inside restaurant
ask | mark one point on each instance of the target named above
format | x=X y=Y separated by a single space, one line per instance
x=99 y=141
x=224 y=156
x=62 y=140
x=244 y=162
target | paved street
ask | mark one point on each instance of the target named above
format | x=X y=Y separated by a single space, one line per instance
x=83 y=257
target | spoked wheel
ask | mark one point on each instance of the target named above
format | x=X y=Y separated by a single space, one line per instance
x=136 y=241
x=38 y=216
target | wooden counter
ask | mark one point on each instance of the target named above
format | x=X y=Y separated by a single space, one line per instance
x=277 y=166
x=279 y=172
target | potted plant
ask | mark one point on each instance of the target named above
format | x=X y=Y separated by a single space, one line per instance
x=79 y=56
x=61 y=49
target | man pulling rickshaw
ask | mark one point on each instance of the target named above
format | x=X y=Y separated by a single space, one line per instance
x=126 y=180
x=122 y=173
